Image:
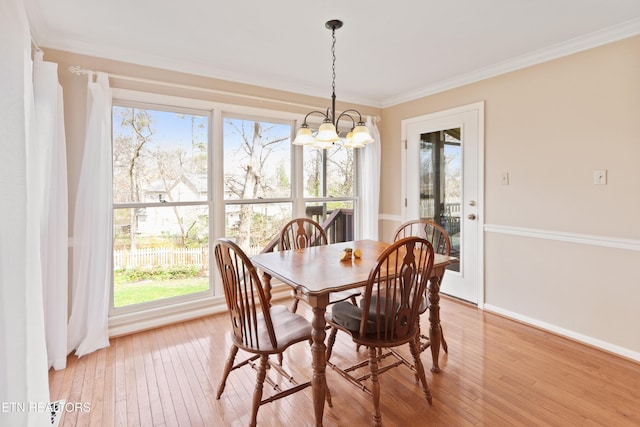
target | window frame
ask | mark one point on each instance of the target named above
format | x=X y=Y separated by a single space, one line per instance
x=141 y=316
x=180 y=299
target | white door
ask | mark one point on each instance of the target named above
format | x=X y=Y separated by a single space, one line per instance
x=443 y=182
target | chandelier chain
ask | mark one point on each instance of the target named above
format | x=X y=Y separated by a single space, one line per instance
x=333 y=65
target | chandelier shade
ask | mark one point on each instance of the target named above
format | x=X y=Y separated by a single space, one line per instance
x=327 y=135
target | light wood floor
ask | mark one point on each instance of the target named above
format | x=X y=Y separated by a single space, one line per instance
x=497 y=373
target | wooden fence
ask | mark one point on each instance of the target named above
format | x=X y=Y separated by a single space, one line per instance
x=163 y=257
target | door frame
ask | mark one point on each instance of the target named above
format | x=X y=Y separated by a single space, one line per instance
x=477 y=107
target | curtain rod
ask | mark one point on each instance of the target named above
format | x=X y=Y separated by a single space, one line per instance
x=77 y=70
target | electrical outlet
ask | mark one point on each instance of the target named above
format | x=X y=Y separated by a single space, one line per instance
x=600 y=177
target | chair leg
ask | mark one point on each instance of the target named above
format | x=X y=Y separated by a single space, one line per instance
x=257 y=393
x=443 y=343
x=327 y=393
x=330 y=341
x=415 y=352
x=294 y=306
x=227 y=369
x=420 y=350
x=375 y=386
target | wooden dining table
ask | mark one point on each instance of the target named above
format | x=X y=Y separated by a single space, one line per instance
x=315 y=272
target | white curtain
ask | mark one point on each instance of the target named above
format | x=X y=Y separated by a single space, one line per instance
x=51 y=146
x=23 y=354
x=92 y=232
x=370 y=184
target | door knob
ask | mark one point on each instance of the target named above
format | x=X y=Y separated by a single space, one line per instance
x=472 y=216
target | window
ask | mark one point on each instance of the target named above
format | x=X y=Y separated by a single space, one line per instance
x=329 y=184
x=187 y=172
x=161 y=203
x=257 y=180
x=260 y=194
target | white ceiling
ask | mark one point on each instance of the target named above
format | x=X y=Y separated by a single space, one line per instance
x=387 y=51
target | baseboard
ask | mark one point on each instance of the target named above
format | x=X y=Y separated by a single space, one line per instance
x=584 y=339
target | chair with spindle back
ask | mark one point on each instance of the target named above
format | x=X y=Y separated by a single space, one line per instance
x=302 y=233
x=439 y=239
x=258 y=328
x=388 y=315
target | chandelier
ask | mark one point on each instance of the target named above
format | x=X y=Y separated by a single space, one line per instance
x=327 y=135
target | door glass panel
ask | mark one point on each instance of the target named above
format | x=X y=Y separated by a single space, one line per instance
x=441 y=183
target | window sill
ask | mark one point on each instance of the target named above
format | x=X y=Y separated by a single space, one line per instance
x=125 y=324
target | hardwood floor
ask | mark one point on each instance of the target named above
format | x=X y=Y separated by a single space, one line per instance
x=498 y=373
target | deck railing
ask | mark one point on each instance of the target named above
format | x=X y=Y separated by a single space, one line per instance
x=338 y=225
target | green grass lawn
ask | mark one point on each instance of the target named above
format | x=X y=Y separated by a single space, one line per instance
x=151 y=290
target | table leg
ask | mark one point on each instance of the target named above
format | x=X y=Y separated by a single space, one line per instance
x=319 y=362
x=435 y=332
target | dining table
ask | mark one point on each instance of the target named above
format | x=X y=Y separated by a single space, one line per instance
x=315 y=272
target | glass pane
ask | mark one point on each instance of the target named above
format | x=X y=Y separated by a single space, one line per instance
x=328 y=173
x=441 y=183
x=160 y=252
x=158 y=156
x=253 y=226
x=257 y=159
x=336 y=218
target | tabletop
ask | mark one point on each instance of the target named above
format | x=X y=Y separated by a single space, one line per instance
x=318 y=270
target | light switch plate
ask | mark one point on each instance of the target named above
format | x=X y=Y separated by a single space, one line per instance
x=504 y=178
x=600 y=177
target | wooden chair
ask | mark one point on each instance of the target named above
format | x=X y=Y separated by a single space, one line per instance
x=302 y=233
x=388 y=315
x=257 y=327
x=429 y=230
x=439 y=239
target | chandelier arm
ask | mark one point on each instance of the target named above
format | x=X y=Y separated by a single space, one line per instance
x=344 y=114
x=304 y=122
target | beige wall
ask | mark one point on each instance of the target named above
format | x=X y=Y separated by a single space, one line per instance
x=550 y=126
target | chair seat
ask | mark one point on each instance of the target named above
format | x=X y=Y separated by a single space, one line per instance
x=347 y=317
x=289 y=328
x=424 y=302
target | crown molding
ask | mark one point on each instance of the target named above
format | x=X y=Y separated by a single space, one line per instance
x=578 y=44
